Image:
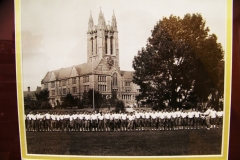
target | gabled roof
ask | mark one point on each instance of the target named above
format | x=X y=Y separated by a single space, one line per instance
x=127 y=74
x=29 y=93
x=64 y=73
x=86 y=68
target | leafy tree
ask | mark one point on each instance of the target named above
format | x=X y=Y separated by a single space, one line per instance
x=42 y=95
x=87 y=98
x=69 y=101
x=29 y=102
x=179 y=53
x=42 y=99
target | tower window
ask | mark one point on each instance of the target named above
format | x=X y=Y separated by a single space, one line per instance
x=106 y=38
x=96 y=45
x=111 y=45
x=114 y=79
x=92 y=45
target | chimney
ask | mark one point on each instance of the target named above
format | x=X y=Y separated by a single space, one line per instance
x=28 y=89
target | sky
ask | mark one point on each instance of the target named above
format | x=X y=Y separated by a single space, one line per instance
x=54 y=32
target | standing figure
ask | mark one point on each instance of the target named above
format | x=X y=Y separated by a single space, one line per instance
x=169 y=120
x=190 y=116
x=87 y=119
x=107 y=121
x=101 y=122
x=196 y=119
x=219 y=118
x=207 y=114
x=130 y=122
x=124 y=121
x=213 y=118
x=184 y=119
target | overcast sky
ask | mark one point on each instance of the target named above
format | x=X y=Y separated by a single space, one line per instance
x=54 y=32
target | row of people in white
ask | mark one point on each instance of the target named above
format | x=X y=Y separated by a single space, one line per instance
x=139 y=120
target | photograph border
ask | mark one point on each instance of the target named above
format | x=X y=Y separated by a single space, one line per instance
x=227 y=97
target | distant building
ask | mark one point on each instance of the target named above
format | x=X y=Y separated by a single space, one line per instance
x=101 y=72
x=29 y=96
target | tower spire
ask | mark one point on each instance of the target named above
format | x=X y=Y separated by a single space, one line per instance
x=113 y=16
x=100 y=14
x=114 y=21
x=101 y=20
x=90 y=22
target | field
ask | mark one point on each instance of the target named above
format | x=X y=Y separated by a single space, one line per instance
x=135 y=143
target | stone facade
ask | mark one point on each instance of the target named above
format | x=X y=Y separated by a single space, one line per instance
x=101 y=72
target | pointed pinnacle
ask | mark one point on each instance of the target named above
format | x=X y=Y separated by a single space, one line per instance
x=113 y=17
x=90 y=18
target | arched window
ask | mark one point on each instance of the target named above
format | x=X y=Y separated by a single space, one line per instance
x=92 y=45
x=111 y=45
x=96 y=45
x=114 y=79
x=106 y=38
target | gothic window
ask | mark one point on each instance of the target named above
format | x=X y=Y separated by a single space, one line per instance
x=53 y=92
x=106 y=44
x=96 y=45
x=114 y=79
x=92 y=44
x=45 y=85
x=101 y=78
x=111 y=45
x=102 y=87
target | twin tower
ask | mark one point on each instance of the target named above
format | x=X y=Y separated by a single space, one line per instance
x=102 y=39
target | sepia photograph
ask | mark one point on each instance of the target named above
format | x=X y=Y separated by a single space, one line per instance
x=123 y=79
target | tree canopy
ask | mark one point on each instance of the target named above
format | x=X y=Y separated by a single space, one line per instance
x=179 y=57
x=42 y=99
x=69 y=101
x=87 y=98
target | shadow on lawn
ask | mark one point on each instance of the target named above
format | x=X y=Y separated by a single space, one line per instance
x=151 y=143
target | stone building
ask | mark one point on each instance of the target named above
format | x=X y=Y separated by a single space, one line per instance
x=101 y=72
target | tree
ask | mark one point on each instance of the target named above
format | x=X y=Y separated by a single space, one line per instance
x=178 y=53
x=69 y=101
x=42 y=99
x=42 y=95
x=87 y=98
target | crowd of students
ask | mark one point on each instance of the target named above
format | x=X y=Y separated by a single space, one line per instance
x=139 y=120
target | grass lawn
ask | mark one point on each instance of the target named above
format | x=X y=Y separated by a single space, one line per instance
x=137 y=143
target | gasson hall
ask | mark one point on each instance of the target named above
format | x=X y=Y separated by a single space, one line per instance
x=101 y=72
